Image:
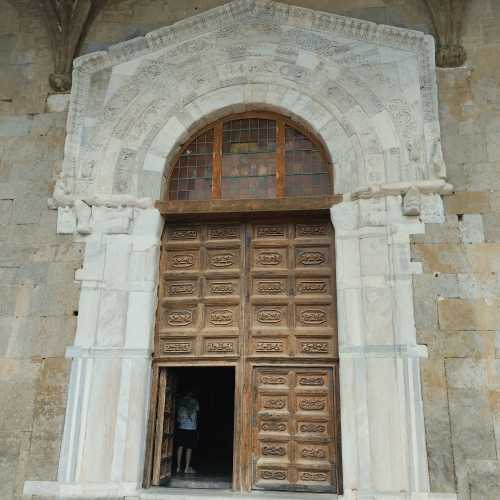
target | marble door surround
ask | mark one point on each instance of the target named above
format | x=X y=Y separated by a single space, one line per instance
x=369 y=93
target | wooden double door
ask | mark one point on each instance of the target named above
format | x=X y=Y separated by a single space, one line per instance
x=259 y=296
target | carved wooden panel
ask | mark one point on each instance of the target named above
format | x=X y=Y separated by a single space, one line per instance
x=200 y=292
x=164 y=428
x=266 y=287
x=294 y=437
x=291 y=282
x=261 y=293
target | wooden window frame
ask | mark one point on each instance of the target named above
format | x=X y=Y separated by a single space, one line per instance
x=281 y=123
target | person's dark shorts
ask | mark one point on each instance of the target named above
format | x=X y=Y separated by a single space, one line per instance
x=187 y=439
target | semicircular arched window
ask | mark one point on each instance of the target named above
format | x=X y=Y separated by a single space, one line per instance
x=250 y=156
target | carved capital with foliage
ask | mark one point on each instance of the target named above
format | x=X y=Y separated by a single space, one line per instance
x=447 y=18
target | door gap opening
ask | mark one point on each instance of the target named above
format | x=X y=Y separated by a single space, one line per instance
x=203 y=419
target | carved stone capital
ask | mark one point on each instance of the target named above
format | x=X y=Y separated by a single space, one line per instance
x=67 y=22
x=447 y=18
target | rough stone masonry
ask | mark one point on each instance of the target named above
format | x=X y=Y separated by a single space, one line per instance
x=457 y=298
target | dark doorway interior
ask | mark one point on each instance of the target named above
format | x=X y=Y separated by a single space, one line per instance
x=212 y=459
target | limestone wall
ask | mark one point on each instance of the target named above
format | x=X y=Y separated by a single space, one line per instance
x=457 y=296
x=38 y=297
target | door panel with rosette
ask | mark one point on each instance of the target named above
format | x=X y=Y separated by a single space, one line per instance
x=259 y=295
x=291 y=279
x=294 y=429
x=260 y=290
x=200 y=291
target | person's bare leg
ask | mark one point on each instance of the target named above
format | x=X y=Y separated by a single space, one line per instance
x=179 y=458
x=189 y=452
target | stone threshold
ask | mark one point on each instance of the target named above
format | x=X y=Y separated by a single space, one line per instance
x=129 y=491
x=170 y=493
x=201 y=494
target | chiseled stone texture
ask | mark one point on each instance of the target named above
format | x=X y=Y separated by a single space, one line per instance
x=457 y=298
x=38 y=296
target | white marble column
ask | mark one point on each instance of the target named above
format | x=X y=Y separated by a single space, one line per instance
x=102 y=452
x=383 y=436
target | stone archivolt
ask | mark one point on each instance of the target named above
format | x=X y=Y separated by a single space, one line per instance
x=368 y=91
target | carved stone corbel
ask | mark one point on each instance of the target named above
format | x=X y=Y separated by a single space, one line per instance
x=447 y=19
x=67 y=22
x=412 y=203
x=83 y=213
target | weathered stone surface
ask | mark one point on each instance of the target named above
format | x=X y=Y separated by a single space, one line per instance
x=466 y=373
x=447 y=232
x=472 y=431
x=459 y=344
x=28 y=209
x=478 y=285
x=15 y=126
x=437 y=426
x=471 y=228
x=483 y=476
x=17 y=393
x=5 y=212
x=447 y=258
x=491 y=227
x=467 y=203
x=460 y=314
x=9 y=457
x=57 y=103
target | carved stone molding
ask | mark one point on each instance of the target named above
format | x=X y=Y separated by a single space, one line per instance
x=447 y=18
x=67 y=22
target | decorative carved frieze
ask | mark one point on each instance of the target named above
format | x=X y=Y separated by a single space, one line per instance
x=447 y=19
x=68 y=22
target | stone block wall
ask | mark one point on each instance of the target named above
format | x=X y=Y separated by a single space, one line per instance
x=458 y=295
x=38 y=296
x=457 y=298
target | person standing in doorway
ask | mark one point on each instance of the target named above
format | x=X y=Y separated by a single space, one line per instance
x=187 y=429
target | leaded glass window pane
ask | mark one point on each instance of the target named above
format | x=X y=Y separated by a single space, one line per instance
x=249 y=159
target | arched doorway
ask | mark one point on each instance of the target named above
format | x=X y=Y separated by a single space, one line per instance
x=247 y=283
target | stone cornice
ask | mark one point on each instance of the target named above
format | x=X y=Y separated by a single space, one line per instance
x=391 y=36
x=437 y=186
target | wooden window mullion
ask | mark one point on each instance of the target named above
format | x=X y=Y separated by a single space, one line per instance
x=280 y=158
x=217 y=162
